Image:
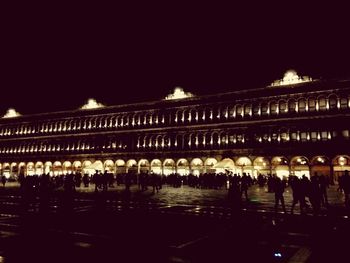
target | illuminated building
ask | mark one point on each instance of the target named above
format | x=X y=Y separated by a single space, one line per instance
x=296 y=125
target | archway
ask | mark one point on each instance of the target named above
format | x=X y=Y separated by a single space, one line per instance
x=183 y=167
x=67 y=167
x=48 y=168
x=299 y=166
x=156 y=166
x=168 y=166
x=6 y=170
x=14 y=171
x=109 y=166
x=261 y=166
x=30 y=168
x=39 y=168
x=56 y=168
x=341 y=163
x=77 y=167
x=225 y=165
x=209 y=165
x=320 y=165
x=131 y=166
x=85 y=168
x=196 y=166
x=22 y=169
x=120 y=166
x=245 y=165
x=143 y=166
x=96 y=166
x=279 y=166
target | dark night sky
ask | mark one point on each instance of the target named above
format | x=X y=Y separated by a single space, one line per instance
x=55 y=57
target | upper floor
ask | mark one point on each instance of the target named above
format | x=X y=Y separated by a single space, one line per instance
x=292 y=101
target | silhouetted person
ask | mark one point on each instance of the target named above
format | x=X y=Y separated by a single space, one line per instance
x=305 y=189
x=3 y=180
x=315 y=195
x=96 y=179
x=295 y=184
x=155 y=182
x=105 y=178
x=279 y=190
x=323 y=188
x=340 y=184
x=346 y=187
x=245 y=185
x=86 y=180
x=111 y=180
x=234 y=194
x=261 y=180
x=77 y=179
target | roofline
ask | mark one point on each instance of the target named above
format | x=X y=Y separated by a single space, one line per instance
x=195 y=98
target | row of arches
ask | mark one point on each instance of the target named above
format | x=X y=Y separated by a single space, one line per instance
x=193 y=140
x=280 y=165
x=183 y=115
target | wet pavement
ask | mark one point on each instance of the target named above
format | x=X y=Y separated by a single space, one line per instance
x=175 y=225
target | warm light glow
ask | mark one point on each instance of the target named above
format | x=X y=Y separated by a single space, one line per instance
x=11 y=113
x=291 y=77
x=92 y=104
x=321 y=160
x=342 y=160
x=179 y=94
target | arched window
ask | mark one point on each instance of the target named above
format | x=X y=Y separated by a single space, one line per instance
x=284 y=135
x=332 y=102
x=264 y=109
x=322 y=103
x=343 y=103
x=302 y=105
x=248 y=110
x=239 y=111
x=273 y=108
x=193 y=116
x=292 y=106
x=311 y=104
x=256 y=109
x=283 y=106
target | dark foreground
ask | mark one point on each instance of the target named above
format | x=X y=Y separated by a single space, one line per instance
x=117 y=228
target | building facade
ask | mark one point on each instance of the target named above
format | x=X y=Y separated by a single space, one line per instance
x=294 y=126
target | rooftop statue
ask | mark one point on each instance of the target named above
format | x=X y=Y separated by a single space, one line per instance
x=179 y=94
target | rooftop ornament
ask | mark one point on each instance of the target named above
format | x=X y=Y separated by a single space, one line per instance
x=92 y=104
x=179 y=94
x=291 y=77
x=11 y=113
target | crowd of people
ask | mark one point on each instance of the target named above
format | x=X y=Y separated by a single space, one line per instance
x=305 y=191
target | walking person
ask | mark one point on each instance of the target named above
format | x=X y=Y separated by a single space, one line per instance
x=315 y=195
x=279 y=190
x=295 y=184
x=3 y=180
x=323 y=188
x=244 y=186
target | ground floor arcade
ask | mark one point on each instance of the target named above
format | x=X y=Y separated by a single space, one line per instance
x=279 y=165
